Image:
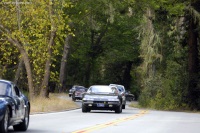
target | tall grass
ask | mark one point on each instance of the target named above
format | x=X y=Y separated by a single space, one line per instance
x=51 y=104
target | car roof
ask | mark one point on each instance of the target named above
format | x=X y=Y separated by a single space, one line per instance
x=102 y=86
x=99 y=85
x=78 y=86
x=5 y=81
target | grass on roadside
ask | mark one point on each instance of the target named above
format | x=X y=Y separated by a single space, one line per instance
x=53 y=103
x=134 y=105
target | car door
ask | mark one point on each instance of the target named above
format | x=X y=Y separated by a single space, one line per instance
x=20 y=110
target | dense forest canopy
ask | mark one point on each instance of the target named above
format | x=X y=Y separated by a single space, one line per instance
x=149 y=46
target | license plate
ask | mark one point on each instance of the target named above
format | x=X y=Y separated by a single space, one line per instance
x=100 y=105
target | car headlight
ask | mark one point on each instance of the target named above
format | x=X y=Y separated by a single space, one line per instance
x=114 y=99
x=88 y=99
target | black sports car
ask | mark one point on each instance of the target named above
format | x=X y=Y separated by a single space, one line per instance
x=129 y=96
x=102 y=97
x=14 y=107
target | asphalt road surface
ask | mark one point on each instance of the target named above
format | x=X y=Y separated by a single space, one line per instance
x=131 y=120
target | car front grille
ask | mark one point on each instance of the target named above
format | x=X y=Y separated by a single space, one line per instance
x=100 y=102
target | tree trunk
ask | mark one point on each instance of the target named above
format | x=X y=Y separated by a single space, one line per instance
x=27 y=66
x=45 y=83
x=96 y=49
x=127 y=76
x=193 y=90
x=64 y=63
x=26 y=61
x=90 y=60
x=29 y=73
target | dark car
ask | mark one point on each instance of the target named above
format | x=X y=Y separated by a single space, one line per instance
x=78 y=92
x=129 y=96
x=122 y=91
x=14 y=107
x=102 y=97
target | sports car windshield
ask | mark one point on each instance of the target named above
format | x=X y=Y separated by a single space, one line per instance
x=102 y=89
x=3 y=88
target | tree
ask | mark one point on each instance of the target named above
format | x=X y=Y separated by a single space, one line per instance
x=6 y=24
x=63 y=64
x=193 y=59
x=39 y=22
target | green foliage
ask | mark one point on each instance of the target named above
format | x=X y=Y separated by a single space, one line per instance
x=118 y=45
x=9 y=59
x=166 y=91
x=165 y=88
x=107 y=35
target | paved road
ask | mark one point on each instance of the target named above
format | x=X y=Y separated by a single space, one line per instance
x=129 y=121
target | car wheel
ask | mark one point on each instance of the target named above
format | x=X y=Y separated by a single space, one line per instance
x=118 y=109
x=130 y=99
x=69 y=95
x=133 y=99
x=5 y=121
x=73 y=97
x=25 y=122
x=123 y=106
x=84 y=109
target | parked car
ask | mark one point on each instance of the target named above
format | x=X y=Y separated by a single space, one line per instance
x=78 y=92
x=129 y=96
x=102 y=97
x=122 y=91
x=14 y=107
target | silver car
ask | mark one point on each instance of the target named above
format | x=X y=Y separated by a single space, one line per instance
x=122 y=91
x=102 y=97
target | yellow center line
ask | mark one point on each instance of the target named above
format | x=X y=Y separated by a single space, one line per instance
x=114 y=122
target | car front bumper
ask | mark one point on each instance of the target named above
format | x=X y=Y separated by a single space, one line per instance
x=78 y=97
x=101 y=105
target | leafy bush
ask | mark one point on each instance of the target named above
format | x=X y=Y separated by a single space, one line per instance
x=166 y=91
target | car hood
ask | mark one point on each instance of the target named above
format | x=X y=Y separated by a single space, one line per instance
x=101 y=96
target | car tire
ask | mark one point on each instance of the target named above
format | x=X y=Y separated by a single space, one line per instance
x=118 y=109
x=123 y=106
x=84 y=109
x=69 y=95
x=73 y=97
x=23 y=126
x=4 y=123
x=129 y=99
